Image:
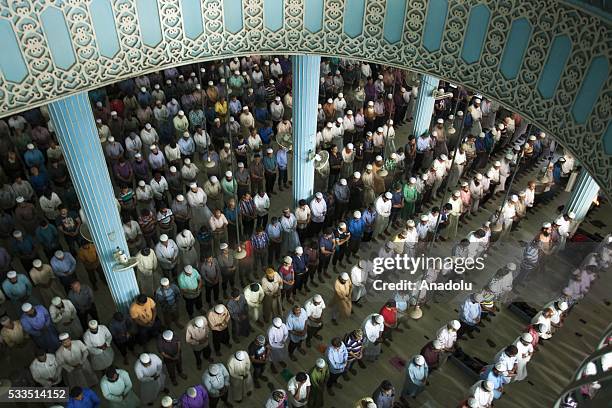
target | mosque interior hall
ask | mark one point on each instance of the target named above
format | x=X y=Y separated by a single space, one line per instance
x=334 y=204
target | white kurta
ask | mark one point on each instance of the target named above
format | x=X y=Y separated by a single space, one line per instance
x=241 y=381
x=359 y=277
x=254 y=301
x=372 y=331
x=187 y=248
x=522 y=358
x=66 y=319
x=147 y=275
x=101 y=352
x=74 y=361
x=152 y=378
x=46 y=373
x=119 y=393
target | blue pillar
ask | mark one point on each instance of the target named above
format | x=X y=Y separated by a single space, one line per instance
x=424 y=105
x=78 y=137
x=584 y=192
x=305 y=100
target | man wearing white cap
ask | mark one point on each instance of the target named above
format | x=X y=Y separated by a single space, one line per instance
x=417 y=373
x=447 y=335
x=72 y=357
x=98 y=340
x=277 y=110
x=278 y=338
x=341 y=303
x=64 y=317
x=289 y=235
x=494 y=373
x=373 y=328
x=144 y=196
x=318 y=211
x=45 y=370
x=189 y=171
x=500 y=284
x=218 y=321
x=170 y=347
x=348 y=157
x=507 y=216
x=469 y=314
x=383 y=210
x=342 y=196
x=216 y=380
x=116 y=387
x=196 y=198
x=167 y=253
x=150 y=372
x=241 y=380
x=482 y=394
x=524 y=346
x=196 y=335
x=186 y=243
x=454 y=215
x=181 y=123
x=359 y=276
x=18 y=288
x=564 y=226
x=190 y=283
x=214 y=193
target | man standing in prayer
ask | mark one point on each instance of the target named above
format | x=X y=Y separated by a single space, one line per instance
x=218 y=321
x=373 y=328
x=72 y=356
x=216 y=380
x=416 y=377
x=314 y=310
x=195 y=397
x=36 y=321
x=64 y=317
x=45 y=369
x=296 y=324
x=116 y=387
x=342 y=301
x=337 y=358
x=241 y=380
x=98 y=341
x=150 y=372
x=319 y=375
x=278 y=334
x=299 y=389
x=169 y=346
x=196 y=335
x=272 y=285
x=254 y=296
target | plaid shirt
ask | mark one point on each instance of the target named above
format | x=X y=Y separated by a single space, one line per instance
x=247 y=208
x=260 y=241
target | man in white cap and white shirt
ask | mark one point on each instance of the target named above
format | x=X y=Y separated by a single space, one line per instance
x=196 y=198
x=383 y=209
x=278 y=338
x=500 y=284
x=373 y=328
x=144 y=196
x=146 y=271
x=72 y=356
x=447 y=335
x=254 y=296
x=216 y=380
x=241 y=380
x=167 y=253
x=482 y=392
x=314 y=308
x=45 y=370
x=417 y=373
x=507 y=216
x=348 y=157
x=197 y=336
x=98 y=341
x=64 y=317
x=564 y=228
x=318 y=211
x=454 y=215
x=149 y=370
x=359 y=277
x=524 y=345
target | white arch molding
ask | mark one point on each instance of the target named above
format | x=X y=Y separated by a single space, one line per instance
x=507 y=65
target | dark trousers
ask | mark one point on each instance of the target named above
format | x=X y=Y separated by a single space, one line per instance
x=196 y=301
x=199 y=353
x=339 y=254
x=274 y=252
x=293 y=346
x=212 y=293
x=124 y=346
x=282 y=178
x=262 y=221
x=248 y=224
x=301 y=280
x=333 y=379
x=219 y=337
x=214 y=401
x=258 y=370
x=323 y=264
x=312 y=331
x=144 y=333
x=353 y=246
x=259 y=259
x=270 y=179
x=173 y=367
x=83 y=315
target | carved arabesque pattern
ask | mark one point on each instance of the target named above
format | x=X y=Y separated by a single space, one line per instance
x=590 y=36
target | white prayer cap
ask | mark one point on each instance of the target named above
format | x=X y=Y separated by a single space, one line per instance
x=437 y=344
x=559 y=221
x=499 y=366
x=478 y=176
x=163 y=238
x=166 y=401
x=164 y=281
x=199 y=321
x=222 y=80
x=349 y=112
x=269 y=150
x=275 y=59
x=339 y=120
x=489 y=173
x=236 y=72
x=472 y=403
x=98 y=121
x=56 y=301
x=563 y=306
x=59 y=253
x=514 y=198
x=457 y=193
x=369 y=167
x=320 y=363
x=167 y=335
x=481 y=134
x=379 y=130
x=379 y=319
x=380 y=77
x=223 y=246
x=111 y=139
x=244 y=73
x=93 y=324
x=590 y=369
x=180 y=198
x=443 y=157
x=424 y=217
x=511 y=266
x=388 y=195
x=488 y=385
x=240 y=355
x=319 y=106
x=342 y=225
x=340 y=95
x=277 y=322
x=193 y=184
x=464 y=184
x=571 y=215
x=181 y=113
x=114 y=113
x=412 y=180
x=371 y=103
x=357 y=214
x=11 y=274
x=210 y=83
x=547 y=225
x=219 y=308
x=497 y=163
x=329 y=125
x=440 y=121
x=214 y=179
x=343 y=182
x=532 y=138
x=156 y=86
x=153 y=147
x=63 y=336
x=317 y=298
x=455 y=324
x=410 y=223
x=542 y=135
x=26 y=307
x=527 y=337
x=287 y=260
x=191 y=392
x=477 y=100
x=419 y=360
x=181 y=76
x=138 y=155
x=357 y=174
x=344 y=276
x=299 y=250
x=330 y=100
x=213 y=369
x=501 y=126
x=4 y=319
x=172 y=169
x=394 y=156
x=277 y=99
x=228 y=174
x=168 y=81
x=319 y=195
x=509 y=156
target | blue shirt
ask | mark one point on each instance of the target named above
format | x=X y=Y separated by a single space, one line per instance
x=48 y=237
x=326 y=243
x=274 y=231
x=356 y=228
x=18 y=290
x=90 y=400
x=469 y=312
x=369 y=217
x=167 y=298
x=265 y=133
x=281 y=159
x=23 y=246
x=297 y=323
x=497 y=380
x=260 y=241
x=269 y=164
x=299 y=263
x=337 y=358
x=64 y=266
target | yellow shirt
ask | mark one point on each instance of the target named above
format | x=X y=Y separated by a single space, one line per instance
x=143 y=315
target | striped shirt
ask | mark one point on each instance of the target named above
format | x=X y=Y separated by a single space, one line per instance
x=353 y=346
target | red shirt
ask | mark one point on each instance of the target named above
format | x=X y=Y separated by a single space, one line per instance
x=389 y=314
